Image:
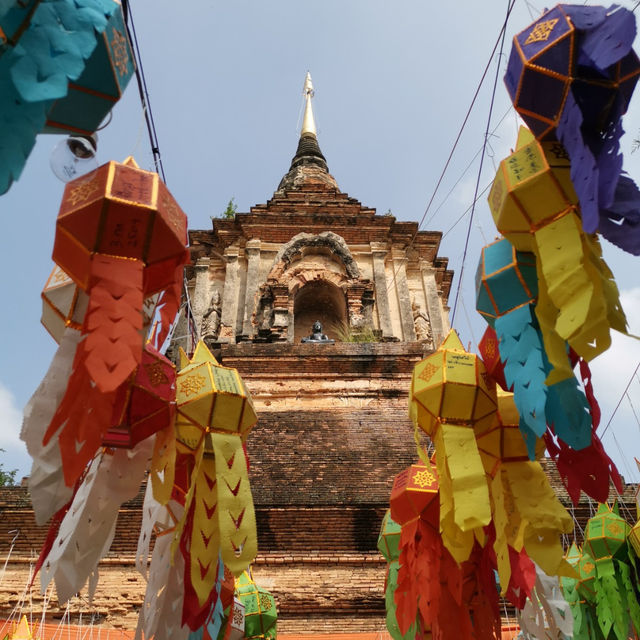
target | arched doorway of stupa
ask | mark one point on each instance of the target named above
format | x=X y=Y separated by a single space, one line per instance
x=313 y=277
x=322 y=301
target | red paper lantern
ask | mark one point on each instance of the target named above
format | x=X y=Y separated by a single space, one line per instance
x=145 y=404
x=415 y=495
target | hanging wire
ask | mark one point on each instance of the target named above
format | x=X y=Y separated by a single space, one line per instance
x=624 y=393
x=486 y=139
x=142 y=89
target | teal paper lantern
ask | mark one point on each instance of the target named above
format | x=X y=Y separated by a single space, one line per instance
x=505 y=280
x=106 y=75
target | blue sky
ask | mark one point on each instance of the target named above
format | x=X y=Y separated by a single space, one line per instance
x=393 y=82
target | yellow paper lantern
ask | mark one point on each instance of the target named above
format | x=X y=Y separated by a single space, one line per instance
x=215 y=414
x=453 y=386
x=451 y=393
x=531 y=189
x=535 y=206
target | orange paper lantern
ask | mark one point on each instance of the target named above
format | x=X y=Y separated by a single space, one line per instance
x=120 y=210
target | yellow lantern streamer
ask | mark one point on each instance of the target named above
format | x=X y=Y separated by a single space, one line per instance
x=450 y=393
x=205 y=536
x=526 y=511
x=214 y=415
x=239 y=543
x=535 y=207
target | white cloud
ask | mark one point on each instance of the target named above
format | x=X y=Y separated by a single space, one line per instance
x=612 y=372
x=15 y=454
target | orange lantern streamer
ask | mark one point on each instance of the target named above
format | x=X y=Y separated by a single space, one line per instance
x=121 y=237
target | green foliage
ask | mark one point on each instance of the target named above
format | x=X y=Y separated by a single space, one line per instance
x=346 y=333
x=7 y=478
x=230 y=212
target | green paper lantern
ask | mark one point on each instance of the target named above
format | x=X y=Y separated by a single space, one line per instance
x=260 y=615
x=389 y=538
x=605 y=538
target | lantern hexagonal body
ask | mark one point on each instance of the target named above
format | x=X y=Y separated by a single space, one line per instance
x=502 y=441
x=605 y=534
x=63 y=304
x=545 y=62
x=104 y=79
x=415 y=495
x=532 y=188
x=260 y=615
x=122 y=211
x=452 y=385
x=634 y=537
x=587 y=576
x=505 y=280
x=211 y=397
x=144 y=405
x=389 y=538
x=540 y=69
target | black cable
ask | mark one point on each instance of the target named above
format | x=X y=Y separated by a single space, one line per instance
x=484 y=147
x=142 y=89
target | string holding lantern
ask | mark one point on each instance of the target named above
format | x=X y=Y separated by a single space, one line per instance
x=570 y=76
x=72 y=90
x=450 y=394
x=121 y=237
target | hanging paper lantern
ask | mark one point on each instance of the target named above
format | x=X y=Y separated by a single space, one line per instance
x=260 y=615
x=526 y=512
x=121 y=237
x=105 y=77
x=553 y=55
x=579 y=595
x=505 y=276
x=489 y=349
x=429 y=592
x=505 y=280
x=570 y=76
x=122 y=211
x=616 y=599
x=389 y=538
x=452 y=393
x=532 y=206
x=145 y=405
x=215 y=414
x=605 y=536
x=36 y=83
x=63 y=304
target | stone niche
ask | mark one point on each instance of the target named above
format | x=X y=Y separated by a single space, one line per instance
x=313 y=277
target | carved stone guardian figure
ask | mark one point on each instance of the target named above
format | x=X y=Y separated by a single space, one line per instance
x=210 y=326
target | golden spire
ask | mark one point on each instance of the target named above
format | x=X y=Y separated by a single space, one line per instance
x=308 y=122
